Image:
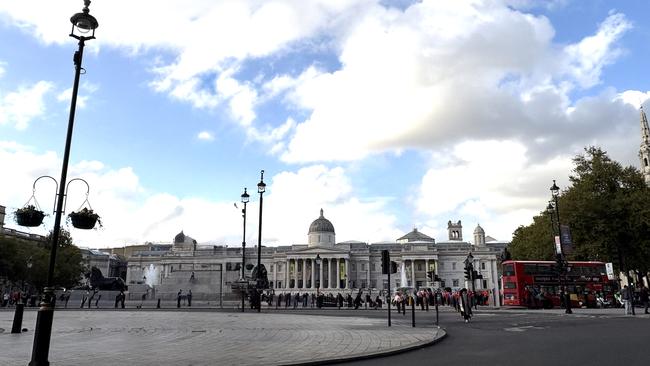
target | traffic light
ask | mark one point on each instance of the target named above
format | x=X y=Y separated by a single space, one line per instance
x=468 y=273
x=476 y=275
x=393 y=267
x=385 y=261
x=436 y=278
x=430 y=276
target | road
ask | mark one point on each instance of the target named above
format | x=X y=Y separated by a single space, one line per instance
x=530 y=338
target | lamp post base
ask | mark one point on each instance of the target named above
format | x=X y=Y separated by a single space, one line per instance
x=43 y=331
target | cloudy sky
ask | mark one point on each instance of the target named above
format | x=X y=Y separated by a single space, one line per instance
x=389 y=115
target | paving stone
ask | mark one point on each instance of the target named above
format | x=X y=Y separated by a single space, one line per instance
x=206 y=338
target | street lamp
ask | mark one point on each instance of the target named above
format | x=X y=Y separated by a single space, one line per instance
x=469 y=269
x=83 y=29
x=244 y=199
x=562 y=265
x=261 y=188
x=318 y=261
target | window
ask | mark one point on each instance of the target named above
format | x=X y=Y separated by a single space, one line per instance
x=442 y=284
x=482 y=265
x=442 y=265
x=363 y=284
x=509 y=270
x=510 y=285
x=373 y=283
x=453 y=267
x=418 y=284
x=374 y=267
x=279 y=268
x=484 y=283
x=279 y=284
x=419 y=266
x=353 y=266
x=363 y=268
x=271 y=268
x=455 y=283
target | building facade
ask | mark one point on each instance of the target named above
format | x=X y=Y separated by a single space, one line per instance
x=321 y=264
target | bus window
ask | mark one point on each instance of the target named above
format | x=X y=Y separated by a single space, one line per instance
x=510 y=285
x=530 y=269
x=508 y=270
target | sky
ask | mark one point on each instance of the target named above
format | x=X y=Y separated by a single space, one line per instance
x=388 y=115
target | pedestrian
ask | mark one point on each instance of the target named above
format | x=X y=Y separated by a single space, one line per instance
x=625 y=294
x=192 y=277
x=296 y=300
x=122 y=298
x=279 y=303
x=189 y=298
x=357 y=301
x=645 y=298
x=97 y=301
x=118 y=297
x=84 y=298
x=178 y=298
x=465 y=305
x=287 y=300
x=339 y=300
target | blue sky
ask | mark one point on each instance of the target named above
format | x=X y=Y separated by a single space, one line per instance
x=389 y=115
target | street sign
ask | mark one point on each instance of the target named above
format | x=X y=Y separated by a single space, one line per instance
x=558 y=245
x=610 y=271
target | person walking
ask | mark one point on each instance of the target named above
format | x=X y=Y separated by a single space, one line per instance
x=178 y=299
x=296 y=300
x=465 y=305
x=627 y=302
x=189 y=297
x=645 y=298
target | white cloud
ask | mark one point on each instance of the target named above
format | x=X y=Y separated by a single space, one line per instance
x=493 y=183
x=133 y=214
x=85 y=88
x=205 y=136
x=20 y=107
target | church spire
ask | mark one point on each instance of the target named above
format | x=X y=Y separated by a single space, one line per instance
x=645 y=131
x=644 y=150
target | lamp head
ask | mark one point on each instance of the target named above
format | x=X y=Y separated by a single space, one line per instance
x=83 y=22
x=245 y=197
x=318 y=259
x=555 y=190
x=261 y=186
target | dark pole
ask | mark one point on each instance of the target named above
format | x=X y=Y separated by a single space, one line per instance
x=261 y=187
x=413 y=311
x=389 y=297
x=244 y=199
x=562 y=263
x=471 y=274
x=84 y=22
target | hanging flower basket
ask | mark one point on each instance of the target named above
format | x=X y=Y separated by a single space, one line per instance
x=29 y=216
x=84 y=219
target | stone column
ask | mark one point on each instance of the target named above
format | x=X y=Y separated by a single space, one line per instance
x=329 y=273
x=313 y=273
x=347 y=274
x=320 y=274
x=337 y=268
x=275 y=274
x=295 y=273
x=286 y=274
x=413 y=273
x=368 y=280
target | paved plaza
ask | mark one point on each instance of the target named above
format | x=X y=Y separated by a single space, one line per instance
x=138 y=337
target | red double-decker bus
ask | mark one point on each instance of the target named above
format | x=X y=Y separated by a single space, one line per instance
x=536 y=283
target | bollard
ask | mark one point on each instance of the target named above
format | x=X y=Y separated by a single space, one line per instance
x=412 y=312
x=158 y=304
x=18 y=318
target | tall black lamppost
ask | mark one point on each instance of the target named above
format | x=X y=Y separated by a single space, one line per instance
x=562 y=265
x=83 y=29
x=261 y=188
x=318 y=262
x=244 y=199
x=469 y=269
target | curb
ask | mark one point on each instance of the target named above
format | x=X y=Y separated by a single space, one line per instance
x=441 y=334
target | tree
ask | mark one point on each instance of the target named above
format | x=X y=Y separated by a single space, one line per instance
x=607 y=208
x=68 y=267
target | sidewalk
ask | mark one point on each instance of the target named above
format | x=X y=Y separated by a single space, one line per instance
x=209 y=338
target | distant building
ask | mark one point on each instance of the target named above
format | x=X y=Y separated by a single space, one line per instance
x=344 y=267
x=16 y=234
x=644 y=150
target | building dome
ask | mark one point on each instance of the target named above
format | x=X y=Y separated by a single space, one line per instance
x=321 y=224
x=479 y=230
x=179 y=238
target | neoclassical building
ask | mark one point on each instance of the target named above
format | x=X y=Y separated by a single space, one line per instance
x=322 y=263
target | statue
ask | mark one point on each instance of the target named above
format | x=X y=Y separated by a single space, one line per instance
x=98 y=281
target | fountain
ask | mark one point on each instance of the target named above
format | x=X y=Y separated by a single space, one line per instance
x=151 y=275
x=403 y=281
